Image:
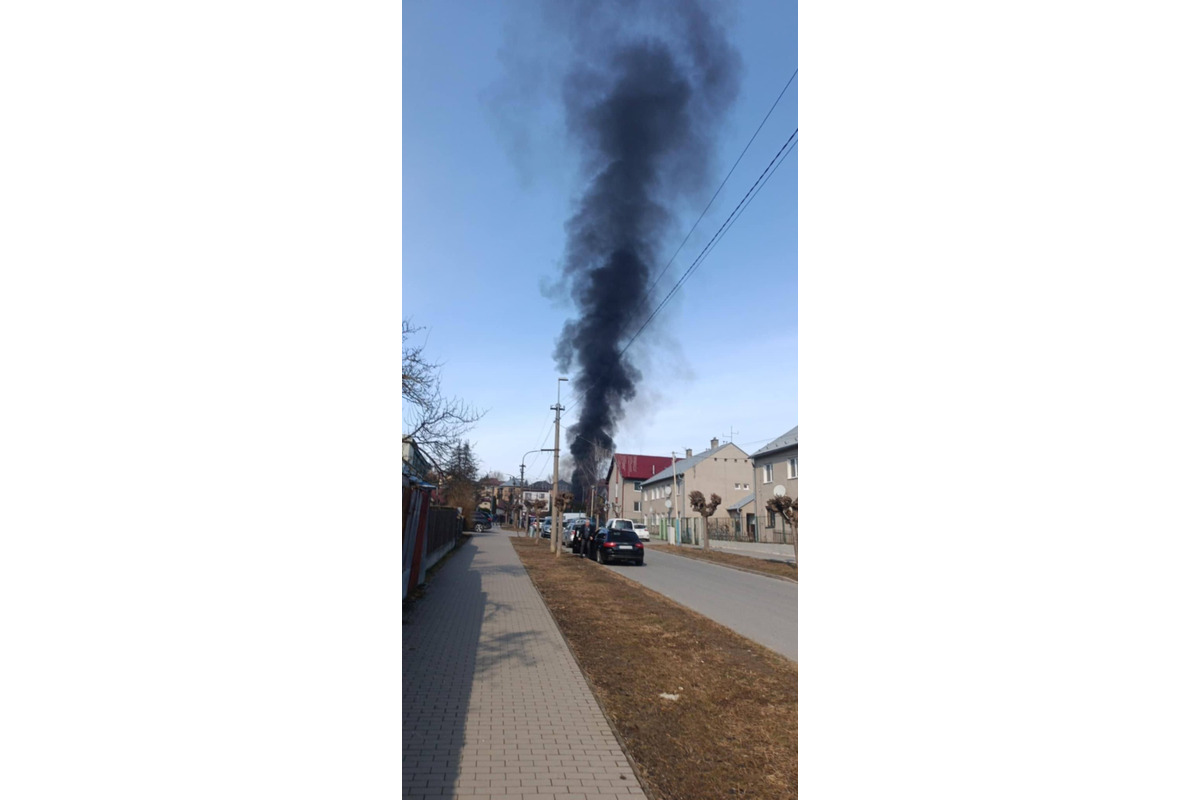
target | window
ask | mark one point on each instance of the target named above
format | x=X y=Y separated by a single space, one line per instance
x=637 y=486
x=637 y=505
x=791 y=467
x=770 y=518
x=768 y=475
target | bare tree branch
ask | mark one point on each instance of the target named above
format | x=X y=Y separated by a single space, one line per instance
x=431 y=420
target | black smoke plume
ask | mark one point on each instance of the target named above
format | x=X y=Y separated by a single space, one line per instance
x=643 y=103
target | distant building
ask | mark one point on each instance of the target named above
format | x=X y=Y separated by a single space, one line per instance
x=626 y=472
x=722 y=469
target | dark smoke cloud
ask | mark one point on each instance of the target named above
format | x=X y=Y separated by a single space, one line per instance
x=643 y=102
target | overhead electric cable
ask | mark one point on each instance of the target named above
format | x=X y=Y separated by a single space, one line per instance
x=645 y=299
x=719 y=188
x=711 y=242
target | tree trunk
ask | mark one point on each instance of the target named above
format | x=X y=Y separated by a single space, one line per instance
x=704 y=525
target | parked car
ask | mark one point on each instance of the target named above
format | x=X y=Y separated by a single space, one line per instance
x=640 y=529
x=619 y=524
x=483 y=521
x=546 y=523
x=617 y=544
x=571 y=532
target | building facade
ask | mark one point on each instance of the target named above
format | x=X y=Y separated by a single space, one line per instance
x=775 y=475
x=722 y=469
x=626 y=473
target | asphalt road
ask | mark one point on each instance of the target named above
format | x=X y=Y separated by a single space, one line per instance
x=761 y=609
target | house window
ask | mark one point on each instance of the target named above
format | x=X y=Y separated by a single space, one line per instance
x=770 y=518
x=768 y=475
x=637 y=505
x=791 y=468
x=637 y=486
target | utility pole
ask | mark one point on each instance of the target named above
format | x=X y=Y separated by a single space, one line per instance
x=673 y=488
x=556 y=524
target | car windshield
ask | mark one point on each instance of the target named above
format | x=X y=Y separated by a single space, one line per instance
x=622 y=536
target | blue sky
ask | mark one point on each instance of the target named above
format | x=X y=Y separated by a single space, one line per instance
x=489 y=179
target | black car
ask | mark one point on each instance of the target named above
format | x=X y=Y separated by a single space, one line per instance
x=483 y=521
x=617 y=545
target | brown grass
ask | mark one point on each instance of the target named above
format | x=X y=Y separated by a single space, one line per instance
x=733 y=731
x=747 y=563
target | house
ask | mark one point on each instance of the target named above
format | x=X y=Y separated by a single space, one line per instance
x=509 y=489
x=489 y=492
x=623 y=483
x=775 y=475
x=722 y=469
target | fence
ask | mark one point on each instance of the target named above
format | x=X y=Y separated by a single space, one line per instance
x=725 y=530
x=441 y=533
x=430 y=532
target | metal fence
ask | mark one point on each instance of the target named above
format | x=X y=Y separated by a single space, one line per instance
x=724 y=529
x=443 y=528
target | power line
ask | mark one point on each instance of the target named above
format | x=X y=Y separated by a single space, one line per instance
x=719 y=188
x=734 y=215
x=712 y=242
x=645 y=298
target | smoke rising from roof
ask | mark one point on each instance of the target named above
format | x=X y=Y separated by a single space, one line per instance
x=643 y=101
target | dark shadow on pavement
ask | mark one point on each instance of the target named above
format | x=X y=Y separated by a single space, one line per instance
x=443 y=648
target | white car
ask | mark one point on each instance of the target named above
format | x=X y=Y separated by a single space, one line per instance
x=640 y=529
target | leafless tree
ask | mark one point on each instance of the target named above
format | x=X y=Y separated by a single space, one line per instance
x=705 y=509
x=431 y=420
x=787 y=508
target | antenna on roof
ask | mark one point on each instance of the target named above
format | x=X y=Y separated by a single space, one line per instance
x=732 y=433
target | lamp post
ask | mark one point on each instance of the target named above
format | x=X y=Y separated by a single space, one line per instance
x=535 y=450
x=556 y=524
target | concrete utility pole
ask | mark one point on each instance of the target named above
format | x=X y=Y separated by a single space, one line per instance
x=675 y=529
x=556 y=525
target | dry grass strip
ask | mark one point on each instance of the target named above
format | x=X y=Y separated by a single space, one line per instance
x=732 y=732
x=761 y=566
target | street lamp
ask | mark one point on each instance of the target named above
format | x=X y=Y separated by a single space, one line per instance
x=556 y=512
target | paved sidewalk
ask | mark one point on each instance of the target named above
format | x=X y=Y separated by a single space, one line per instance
x=767 y=552
x=494 y=704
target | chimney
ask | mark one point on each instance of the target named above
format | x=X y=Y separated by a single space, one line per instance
x=714 y=444
x=689 y=453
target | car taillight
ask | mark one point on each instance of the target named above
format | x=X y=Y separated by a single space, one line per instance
x=639 y=546
x=610 y=544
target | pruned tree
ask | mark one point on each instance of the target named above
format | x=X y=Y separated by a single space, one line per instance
x=431 y=420
x=536 y=507
x=562 y=501
x=787 y=508
x=705 y=509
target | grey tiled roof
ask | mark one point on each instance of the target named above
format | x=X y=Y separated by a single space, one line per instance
x=789 y=439
x=686 y=463
x=740 y=503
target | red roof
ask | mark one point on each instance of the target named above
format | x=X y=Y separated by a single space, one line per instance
x=639 y=468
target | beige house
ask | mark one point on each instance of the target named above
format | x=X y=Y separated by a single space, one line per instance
x=626 y=473
x=722 y=469
x=775 y=475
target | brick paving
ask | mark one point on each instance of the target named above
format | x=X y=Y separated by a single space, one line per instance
x=494 y=704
